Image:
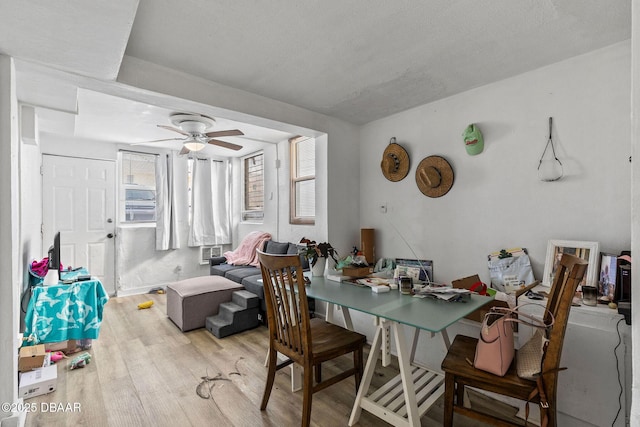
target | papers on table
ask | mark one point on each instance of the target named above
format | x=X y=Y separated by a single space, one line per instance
x=373 y=281
x=442 y=292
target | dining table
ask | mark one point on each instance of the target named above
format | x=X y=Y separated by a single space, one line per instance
x=405 y=398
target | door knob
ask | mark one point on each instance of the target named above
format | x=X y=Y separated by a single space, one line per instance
x=110 y=235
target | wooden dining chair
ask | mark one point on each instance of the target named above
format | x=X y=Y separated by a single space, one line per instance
x=305 y=341
x=460 y=374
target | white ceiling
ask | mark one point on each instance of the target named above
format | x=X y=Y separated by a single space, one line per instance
x=358 y=60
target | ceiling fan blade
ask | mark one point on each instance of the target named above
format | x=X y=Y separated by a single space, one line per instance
x=230 y=132
x=173 y=129
x=225 y=144
x=157 y=140
x=184 y=150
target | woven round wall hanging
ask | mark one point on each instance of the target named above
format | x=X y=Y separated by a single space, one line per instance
x=434 y=176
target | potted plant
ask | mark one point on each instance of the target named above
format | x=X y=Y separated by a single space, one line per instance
x=317 y=254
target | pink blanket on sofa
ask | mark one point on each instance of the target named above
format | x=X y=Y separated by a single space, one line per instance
x=245 y=253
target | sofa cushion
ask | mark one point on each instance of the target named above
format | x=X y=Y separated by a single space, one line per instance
x=254 y=285
x=216 y=260
x=240 y=273
x=295 y=249
x=276 y=248
x=223 y=269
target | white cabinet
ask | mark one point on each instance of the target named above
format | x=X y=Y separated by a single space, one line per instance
x=597 y=383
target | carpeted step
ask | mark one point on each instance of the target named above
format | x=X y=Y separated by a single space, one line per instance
x=234 y=317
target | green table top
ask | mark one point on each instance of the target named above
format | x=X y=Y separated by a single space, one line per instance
x=424 y=313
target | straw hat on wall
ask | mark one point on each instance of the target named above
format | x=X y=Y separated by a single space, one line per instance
x=434 y=176
x=395 y=162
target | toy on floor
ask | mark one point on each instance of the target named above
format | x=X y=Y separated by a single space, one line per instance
x=80 y=361
x=57 y=356
x=146 y=304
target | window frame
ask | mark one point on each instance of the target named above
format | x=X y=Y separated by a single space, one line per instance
x=246 y=215
x=124 y=186
x=295 y=179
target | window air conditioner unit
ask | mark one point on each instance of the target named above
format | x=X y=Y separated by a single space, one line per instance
x=207 y=252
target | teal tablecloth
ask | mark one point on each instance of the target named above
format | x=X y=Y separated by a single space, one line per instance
x=65 y=311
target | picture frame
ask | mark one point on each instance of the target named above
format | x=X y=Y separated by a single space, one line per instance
x=607 y=277
x=588 y=251
x=420 y=270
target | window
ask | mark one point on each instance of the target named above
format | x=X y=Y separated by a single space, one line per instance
x=253 y=177
x=138 y=187
x=303 y=180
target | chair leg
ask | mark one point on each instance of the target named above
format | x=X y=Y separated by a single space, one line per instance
x=307 y=394
x=358 y=363
x=318 y=369
x=459 y=390
x=449 y=390
x=272 y=361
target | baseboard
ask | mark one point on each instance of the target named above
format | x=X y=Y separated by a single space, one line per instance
x=139 y=291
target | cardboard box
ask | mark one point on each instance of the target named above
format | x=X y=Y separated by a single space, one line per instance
x=68 y=346
x=38 y=382
x=478 y=315
x=357 y=271
x=31 y=357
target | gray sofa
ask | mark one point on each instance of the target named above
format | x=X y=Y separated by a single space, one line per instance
x=250 y=277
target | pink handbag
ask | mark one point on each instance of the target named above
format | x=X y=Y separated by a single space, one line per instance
x=495 y=350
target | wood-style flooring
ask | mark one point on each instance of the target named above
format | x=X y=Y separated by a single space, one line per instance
x=145 y=372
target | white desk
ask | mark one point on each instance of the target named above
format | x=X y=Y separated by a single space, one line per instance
x=588 y=390
x=407 y=397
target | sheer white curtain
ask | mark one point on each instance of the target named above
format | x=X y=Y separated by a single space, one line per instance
x=166 y=220
x=210 y=195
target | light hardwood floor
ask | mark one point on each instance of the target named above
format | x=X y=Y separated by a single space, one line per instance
x=146 y=372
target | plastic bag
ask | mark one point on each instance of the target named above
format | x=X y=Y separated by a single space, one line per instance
x=385 y=267
x=508 y=272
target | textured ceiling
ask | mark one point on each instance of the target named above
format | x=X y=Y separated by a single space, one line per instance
x=362 y=60
x=358 y=60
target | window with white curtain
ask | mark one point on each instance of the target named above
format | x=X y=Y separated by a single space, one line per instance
x=137 y=187
x=303 y=181
x=253 y=187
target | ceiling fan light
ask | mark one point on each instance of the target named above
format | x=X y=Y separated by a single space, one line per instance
x=194 y=145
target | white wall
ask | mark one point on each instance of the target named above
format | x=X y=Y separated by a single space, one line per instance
x=635 y=208
x=497 y=200
x=10 y=269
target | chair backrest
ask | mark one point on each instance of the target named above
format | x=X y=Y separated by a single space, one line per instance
x=287 y=306
x=568 y=275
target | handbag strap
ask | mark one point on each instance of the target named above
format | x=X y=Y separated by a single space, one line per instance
x=532 y=321
x=540 y=391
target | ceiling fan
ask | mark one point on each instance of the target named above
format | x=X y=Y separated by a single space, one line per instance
x=194 y=128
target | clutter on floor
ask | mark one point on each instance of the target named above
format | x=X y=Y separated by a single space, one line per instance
x=146 y=304
x=79 y=361
x=38 y=373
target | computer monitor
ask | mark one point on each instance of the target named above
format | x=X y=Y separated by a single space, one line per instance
x=54 y=254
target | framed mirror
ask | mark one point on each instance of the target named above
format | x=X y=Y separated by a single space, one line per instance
x=588 y=251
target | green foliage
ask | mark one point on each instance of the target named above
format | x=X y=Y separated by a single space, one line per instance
x=314 y=250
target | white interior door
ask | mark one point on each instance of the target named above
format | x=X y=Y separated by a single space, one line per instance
x=79 y=202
